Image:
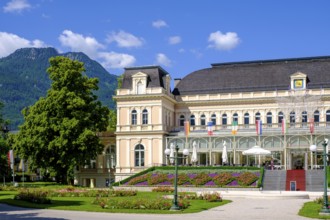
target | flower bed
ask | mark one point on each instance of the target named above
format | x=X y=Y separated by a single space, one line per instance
x=222 y=179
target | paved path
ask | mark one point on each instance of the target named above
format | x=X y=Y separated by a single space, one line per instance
x=240 y=208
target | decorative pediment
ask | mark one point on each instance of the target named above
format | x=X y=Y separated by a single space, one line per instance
x=139 y=75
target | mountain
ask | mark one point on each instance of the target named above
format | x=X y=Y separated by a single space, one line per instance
x=23 y=79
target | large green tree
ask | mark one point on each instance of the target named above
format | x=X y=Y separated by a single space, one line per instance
x=4 y=167
x=60 y=130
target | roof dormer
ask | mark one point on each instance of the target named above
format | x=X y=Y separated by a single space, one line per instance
x=139 y=83
x=298 y=81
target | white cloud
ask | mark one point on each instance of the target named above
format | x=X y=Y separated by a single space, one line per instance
x=174 y=40
x=163 y=60
x=124 y=39
x=159 y=24
x=116 y=60
x=225 y=41
x=79 y=43
x=11 y=42
x=16 y=6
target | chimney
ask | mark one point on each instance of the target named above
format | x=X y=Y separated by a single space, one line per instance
x=176 y=82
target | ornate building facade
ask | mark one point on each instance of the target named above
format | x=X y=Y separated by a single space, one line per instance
x=222 y=104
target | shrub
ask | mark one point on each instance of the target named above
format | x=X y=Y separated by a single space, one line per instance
x=157 y=178
x=223 y=179
x=247 y=178
x=34 y=196
x=139 y=179
x=211 y=196
x=155 y=204
x=182 y=179
x=122 y=192
x=101 y=202
x=201 y=179
x=163 y=189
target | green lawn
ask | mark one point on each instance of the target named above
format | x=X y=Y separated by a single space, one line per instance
x=85 y=203
x=311 y=210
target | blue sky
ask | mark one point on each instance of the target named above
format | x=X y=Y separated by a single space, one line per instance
x=181 y=36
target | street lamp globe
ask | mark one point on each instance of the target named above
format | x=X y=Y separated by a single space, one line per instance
x=313 y=148
x=167 y=152
x=185 y=152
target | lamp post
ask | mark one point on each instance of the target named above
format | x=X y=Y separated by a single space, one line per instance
x=175 y=206
x=325 y=209
x=5 y=130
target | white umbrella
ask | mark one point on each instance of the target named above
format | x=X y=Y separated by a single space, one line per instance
x=224 y=153
x=194 y=153
x=256 y=150
x=172 y=153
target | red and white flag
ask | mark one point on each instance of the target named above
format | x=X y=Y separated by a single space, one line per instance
x=311 y=125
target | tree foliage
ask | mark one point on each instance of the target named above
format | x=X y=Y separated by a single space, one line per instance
x=59 y=131
x=4 y=166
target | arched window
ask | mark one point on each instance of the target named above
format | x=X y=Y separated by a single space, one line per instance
x=235 y=117
x=327 y=116
x=224 y=120
x=145 y=116
x=280 y=118
x=192 y=120
x=214 y=119
x=304 y=118
x=181 y=120
x=139 y=87
x=257 y=116
x=269 y=119
x=316 y=118
x=134 y=117
x=246 y=120
x=203 y=119
x=139 y=155
x=292 y=118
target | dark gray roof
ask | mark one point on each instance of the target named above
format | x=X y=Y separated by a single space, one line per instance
x=156 y=76
x=262 y=75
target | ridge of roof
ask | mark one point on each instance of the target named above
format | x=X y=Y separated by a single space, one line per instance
x=270 y=61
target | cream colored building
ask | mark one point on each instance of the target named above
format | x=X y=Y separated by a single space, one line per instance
x=150 y=115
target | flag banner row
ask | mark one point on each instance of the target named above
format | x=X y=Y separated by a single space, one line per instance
x=285 y=126
x=210 y=128
x=186 y=128
x=234 y=127
x=259 y=127
x=11 y=159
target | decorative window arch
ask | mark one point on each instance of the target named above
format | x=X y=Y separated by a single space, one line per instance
x=327 y=117
x=235 y=117
x=269 y=119
x=214 y=119
x=292 y=118
x=246 y=120
x=134 y=117
x=224 y=119
x=145 y=116
x=316 y=118
x=280 y=118
x=139 y=155
x=192 y=120
x=203 y=119
x=181 y=120
x=257 y=116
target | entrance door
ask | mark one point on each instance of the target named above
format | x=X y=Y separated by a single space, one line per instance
x=298 y=160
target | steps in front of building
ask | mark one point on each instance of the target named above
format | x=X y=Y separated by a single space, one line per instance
x=295 y=178
x=274 y=180
x=315 y=180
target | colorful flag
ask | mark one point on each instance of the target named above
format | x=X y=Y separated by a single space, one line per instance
x=259 y=127
x=186 y=128
x=210 y=128
x=11 y=159
x=284 y=126
x=311 y=125
x=234 y=127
